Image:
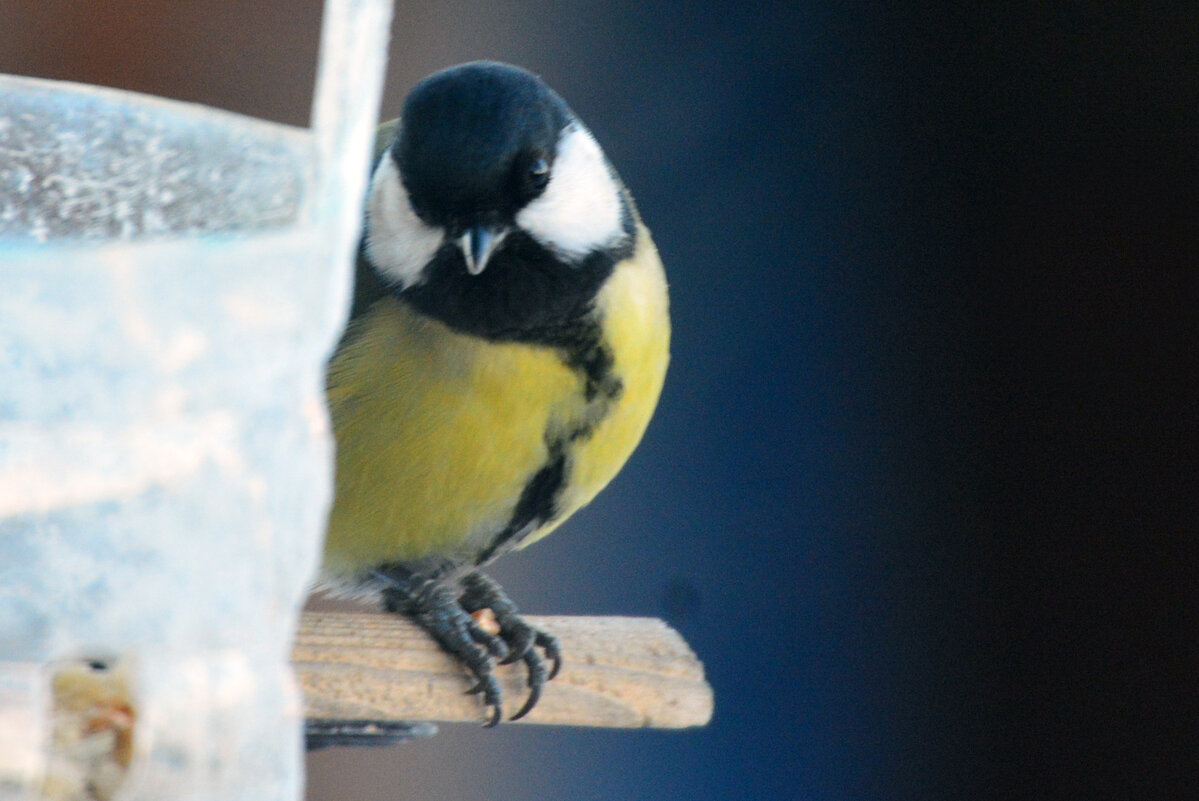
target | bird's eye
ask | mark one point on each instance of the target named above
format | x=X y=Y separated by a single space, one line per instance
x=538 y=175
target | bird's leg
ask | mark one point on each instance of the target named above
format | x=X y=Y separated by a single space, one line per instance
x=521 y=640
x=433 y=604
x=432 y=599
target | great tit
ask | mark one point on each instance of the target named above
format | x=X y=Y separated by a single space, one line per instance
x=507 y=344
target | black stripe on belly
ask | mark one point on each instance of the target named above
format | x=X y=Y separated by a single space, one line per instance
x=537 y=505
x=590 y=357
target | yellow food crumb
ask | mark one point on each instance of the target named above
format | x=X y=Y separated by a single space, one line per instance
x=93 y=723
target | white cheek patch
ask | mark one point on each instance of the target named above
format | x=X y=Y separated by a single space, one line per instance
x=398 y=242
x=580 y=209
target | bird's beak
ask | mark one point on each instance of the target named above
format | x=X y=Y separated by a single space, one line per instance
x=477 y=244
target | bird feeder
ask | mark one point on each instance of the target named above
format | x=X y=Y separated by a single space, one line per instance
x=172 y=279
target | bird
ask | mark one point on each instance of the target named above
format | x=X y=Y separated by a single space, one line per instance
x=507 y=343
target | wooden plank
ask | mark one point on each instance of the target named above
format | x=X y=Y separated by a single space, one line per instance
x=617 y=671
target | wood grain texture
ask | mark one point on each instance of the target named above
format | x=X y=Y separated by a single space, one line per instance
x=617 y=671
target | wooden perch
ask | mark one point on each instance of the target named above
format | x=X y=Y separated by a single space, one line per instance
x=617 y=671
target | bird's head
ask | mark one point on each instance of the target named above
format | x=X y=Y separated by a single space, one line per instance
x=486 y=157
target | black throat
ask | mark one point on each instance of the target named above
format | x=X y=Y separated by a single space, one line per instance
x=526 y=294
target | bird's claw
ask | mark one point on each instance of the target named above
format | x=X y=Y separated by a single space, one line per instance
x=449 y=620
x=487 y=686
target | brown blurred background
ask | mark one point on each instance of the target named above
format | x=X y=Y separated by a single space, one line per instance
x=922 y=491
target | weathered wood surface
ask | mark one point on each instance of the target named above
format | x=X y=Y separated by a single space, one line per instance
x=617 y=671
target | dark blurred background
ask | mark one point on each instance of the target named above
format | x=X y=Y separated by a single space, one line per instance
x=922 y=489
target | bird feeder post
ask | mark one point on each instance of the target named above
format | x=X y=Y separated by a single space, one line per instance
x=172 y=278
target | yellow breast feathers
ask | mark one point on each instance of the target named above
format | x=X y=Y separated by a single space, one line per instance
x=447 y=441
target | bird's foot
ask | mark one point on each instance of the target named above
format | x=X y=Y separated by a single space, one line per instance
x=520 y=639
x=451 y=621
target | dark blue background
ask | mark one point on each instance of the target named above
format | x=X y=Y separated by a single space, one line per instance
x=921 y=491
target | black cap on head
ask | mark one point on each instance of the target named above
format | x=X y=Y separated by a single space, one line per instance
x=474 y=143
